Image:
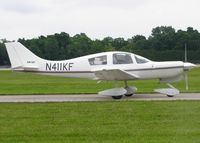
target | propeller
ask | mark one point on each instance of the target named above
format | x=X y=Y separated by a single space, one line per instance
x=186 y=70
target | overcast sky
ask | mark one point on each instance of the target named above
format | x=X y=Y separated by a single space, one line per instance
x=96 y=18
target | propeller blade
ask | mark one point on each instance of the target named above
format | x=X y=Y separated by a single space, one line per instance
x=185 y=52
x=186 y=81
x=186 y=70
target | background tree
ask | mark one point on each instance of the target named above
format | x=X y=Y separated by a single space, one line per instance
x=165 y=43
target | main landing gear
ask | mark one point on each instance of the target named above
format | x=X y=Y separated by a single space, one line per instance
x=119 y=92
x=130 y=90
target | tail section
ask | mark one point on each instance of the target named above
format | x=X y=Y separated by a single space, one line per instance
x=21 y=58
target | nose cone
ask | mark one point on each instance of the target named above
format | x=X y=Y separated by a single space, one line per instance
x=188 y=66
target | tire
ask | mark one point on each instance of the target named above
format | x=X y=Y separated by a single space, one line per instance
x=170 y=95
x=128 y=95
x=117 y=97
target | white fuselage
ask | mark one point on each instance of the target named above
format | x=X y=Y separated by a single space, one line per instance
x=81 y=68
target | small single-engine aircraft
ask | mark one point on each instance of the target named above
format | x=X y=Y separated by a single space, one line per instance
x=112 y=66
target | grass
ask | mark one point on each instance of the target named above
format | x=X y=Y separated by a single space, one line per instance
x=27 y=83
x=117 y=122
x=84 y=122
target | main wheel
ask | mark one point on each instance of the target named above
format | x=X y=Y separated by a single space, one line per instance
x=130 y=91
x=128 y=95
x=117 y=97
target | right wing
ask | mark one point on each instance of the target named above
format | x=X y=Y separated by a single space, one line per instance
x=114 y=74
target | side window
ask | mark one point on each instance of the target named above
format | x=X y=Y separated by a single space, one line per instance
x=122 y=58
x=101 y=60
x=141 y=60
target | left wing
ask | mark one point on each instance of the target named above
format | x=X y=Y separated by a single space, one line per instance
x=114 y=74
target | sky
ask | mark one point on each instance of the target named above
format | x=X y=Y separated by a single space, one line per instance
x=97 y=18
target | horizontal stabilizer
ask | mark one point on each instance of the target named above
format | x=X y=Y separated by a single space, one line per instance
x=25 y=68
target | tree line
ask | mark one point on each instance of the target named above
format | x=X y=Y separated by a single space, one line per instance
x=164 y=44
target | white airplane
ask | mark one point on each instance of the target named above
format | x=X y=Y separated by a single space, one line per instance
x=112 y=66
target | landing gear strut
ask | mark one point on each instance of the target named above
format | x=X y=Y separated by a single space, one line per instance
x=130 y=90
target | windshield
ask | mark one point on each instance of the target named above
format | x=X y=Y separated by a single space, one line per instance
x=141 y=60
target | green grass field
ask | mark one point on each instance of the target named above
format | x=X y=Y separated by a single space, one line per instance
x=27 y=83
x=97 y=122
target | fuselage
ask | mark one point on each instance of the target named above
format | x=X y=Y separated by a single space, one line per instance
x=83 y=67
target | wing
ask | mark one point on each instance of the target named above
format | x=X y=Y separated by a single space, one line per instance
x=114 y=74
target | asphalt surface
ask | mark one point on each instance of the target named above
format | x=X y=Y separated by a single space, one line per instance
x=4 y=69
x=94 y=97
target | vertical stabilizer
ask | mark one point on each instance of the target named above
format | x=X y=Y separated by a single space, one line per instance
x=20 y=57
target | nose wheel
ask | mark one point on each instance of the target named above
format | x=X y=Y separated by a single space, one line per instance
x=170 y=95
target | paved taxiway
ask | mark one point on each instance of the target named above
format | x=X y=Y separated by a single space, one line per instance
x=4 y=69
x=94 y=97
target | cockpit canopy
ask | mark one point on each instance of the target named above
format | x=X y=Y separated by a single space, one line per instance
x=122 y=58
x=118 y=58
x=100 y=60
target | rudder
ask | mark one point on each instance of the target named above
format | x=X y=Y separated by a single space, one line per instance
x=20 y=57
